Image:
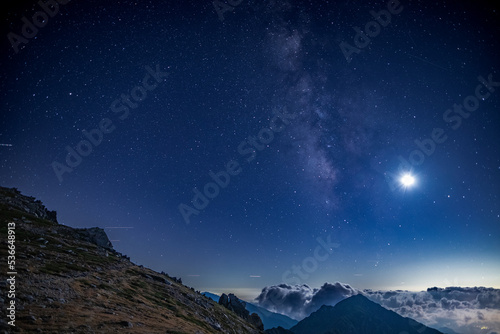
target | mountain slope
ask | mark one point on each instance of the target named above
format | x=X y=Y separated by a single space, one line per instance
x=212 y=296
x=270 y=319
x=72 y=281
x=358 y=315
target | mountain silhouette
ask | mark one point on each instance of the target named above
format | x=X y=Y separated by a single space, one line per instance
x=358 y=315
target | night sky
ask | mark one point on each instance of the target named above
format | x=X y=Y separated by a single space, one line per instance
x=119 y=115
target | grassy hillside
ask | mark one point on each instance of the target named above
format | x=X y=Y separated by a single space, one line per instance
x=66 y=284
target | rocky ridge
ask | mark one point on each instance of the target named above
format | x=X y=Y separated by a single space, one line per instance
x=73 y=281
x=233 y=303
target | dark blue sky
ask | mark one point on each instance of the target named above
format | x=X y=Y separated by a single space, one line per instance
x=174 y=93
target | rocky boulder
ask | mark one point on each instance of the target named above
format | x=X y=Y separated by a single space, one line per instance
x=238 y=306
x=96 y=236
x=255 y=320
x=12 y=198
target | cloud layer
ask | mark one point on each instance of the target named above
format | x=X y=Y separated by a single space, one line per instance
x=301 y=300
x=464 y=310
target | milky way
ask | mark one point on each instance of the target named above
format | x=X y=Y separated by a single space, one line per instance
x=91 y=130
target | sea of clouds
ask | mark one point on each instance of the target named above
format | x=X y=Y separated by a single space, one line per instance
x=453 y=309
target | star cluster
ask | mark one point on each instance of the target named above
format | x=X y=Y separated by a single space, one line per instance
x=140 y=114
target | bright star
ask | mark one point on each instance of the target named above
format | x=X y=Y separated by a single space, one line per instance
x=407 y=180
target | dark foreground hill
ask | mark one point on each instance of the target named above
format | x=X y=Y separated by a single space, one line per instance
x=72 y=281
x=358 y=315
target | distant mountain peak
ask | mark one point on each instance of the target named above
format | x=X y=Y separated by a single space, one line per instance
x=358 y=315
x=358 y=301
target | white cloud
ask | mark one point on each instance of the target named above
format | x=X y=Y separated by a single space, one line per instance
x=464 y=310
x=299 y=301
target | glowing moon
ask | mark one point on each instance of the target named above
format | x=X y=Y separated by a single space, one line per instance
x=407 y=180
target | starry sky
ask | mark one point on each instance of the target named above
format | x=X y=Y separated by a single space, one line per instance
x=242 y=144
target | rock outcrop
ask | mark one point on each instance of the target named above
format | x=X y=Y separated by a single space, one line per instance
x=96 y=236
x=70 y=281
x=255 y=320
x=13 y=200
x=233 y=303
